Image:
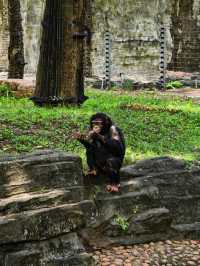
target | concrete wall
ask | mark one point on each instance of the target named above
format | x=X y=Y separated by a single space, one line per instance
x=134 y=26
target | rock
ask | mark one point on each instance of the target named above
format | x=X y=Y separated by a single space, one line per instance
x=149 y=204
x=191 y=263
x=168 y=242
x=44 y=199
x=23 y=257
x=27 y=201
x=153 y=166
x=39 y=171
x=45 y=223
x=49 y=205
x=40 y=224
x=112 y=204
x=118 y=262
x=64 y=250
x=76 y=260
x=188 y=230
x=154 y=220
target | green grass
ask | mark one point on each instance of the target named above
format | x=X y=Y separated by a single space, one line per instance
x=153 y=125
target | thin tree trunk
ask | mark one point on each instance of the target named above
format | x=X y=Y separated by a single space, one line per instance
x=16 y=47
x=184 y=31
x=60 y=69
x=88 y=43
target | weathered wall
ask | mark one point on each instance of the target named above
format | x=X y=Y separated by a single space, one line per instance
x=134 y=26
x=32 y=12
x=135 y=32
x=3 y=35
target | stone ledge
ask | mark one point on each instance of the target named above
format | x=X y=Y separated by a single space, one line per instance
x=20 y=87
x=159 y=200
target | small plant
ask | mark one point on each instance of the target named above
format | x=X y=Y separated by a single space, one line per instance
x=127 y=84
x=6 y=133
x=5 y=90
x=122 y=222
x=174 y=85
x=97 y=189
x=94 y=191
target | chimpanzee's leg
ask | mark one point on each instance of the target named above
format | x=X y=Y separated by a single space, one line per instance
x=111 y=169
x=90 y=155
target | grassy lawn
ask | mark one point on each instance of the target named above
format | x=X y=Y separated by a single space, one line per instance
x=153 y=125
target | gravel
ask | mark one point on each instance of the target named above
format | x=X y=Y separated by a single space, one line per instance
x=166 y=253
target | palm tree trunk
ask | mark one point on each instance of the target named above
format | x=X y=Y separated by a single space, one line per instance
x=16 y=47
x=60 y=69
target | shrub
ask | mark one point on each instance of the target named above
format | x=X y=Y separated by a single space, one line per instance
x=5 y=90
x=127 y=84
x=122 y=222
x=174 y=85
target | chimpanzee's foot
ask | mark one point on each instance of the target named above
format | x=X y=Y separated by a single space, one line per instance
x=108 y=188
x=115 y=188
x=92 y=172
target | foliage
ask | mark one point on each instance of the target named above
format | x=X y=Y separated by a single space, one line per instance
x=122 y=222
x=127 y=84
x=153 y=125
x=97 y=189
x=174 y=85
x=5 y=90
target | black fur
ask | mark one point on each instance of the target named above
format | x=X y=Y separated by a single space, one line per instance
x=105 y=156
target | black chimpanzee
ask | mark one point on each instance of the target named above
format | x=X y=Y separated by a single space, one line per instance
x=105 y=149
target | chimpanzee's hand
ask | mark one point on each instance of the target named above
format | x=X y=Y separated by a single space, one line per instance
x=79 y=136
x=91 y=133
x=96 y=129
x=98 y=136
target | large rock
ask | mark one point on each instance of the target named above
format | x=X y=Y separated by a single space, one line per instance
x=42 y=205
x=39 y=171
x=56 y=251
x=159 y=199
x=47 y=208
x=153 y=166
x=43 y=223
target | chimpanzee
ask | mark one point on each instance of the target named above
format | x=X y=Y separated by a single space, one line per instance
x=105 y=149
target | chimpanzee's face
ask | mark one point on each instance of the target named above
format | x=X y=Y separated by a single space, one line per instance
x=97 y=125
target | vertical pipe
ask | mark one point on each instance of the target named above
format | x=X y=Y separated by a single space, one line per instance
x=107 y=58
x=162 y=57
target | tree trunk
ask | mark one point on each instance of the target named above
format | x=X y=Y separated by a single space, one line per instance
x=185 y=36
x=60 y=69
x=88 y=43
x=16 y=47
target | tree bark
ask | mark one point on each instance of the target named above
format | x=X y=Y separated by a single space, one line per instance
x=184 y=32
x=60 y=69
x=16 y=46
x=88 y=43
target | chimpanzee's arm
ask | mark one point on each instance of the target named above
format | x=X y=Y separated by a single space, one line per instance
x=113 y=143
x=83 y=138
